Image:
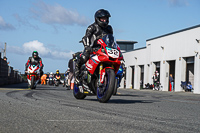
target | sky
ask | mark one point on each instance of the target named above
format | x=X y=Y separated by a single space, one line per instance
x=55 y=27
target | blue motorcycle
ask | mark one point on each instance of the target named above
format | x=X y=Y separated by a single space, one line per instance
x=51 y=81
x=118 y=78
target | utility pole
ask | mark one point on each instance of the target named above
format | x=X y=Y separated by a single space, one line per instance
x=5 y=50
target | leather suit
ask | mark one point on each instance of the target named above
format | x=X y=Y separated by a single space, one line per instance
x=93 y=33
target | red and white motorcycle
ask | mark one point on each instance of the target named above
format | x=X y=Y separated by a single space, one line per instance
x=33 y=75
x=97 y=75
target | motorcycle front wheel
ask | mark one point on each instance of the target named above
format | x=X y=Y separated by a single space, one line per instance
x=32 y=82
x=57 y=83
x=105 y=91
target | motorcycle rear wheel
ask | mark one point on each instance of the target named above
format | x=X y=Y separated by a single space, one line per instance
x=105 y=91
x=77 y=93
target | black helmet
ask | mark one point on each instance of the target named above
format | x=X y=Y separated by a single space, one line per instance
x=99 y=14
x=35 y=53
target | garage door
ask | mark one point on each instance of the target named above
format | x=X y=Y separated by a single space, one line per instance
x=190 y=73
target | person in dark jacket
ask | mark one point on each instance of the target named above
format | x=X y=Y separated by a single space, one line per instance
x=94 y=32
x=155 y=78
x=57 y=75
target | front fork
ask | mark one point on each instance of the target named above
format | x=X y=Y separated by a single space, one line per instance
x=102 y=72
x=36 y=79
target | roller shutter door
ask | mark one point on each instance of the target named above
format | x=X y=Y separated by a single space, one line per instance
x=190 y=73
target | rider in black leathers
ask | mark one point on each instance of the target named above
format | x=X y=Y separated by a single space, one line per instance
x=34 y=60
x=94 y=32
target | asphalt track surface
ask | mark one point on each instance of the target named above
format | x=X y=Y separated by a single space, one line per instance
x=50 y=109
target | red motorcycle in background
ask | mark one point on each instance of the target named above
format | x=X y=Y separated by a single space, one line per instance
x=97 y=75
x=33 y=75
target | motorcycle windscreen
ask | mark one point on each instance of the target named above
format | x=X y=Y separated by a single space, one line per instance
x=110 y=41
x=111 y=46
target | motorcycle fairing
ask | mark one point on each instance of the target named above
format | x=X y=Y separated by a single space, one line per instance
x=36 y=77
x=92 y=63
x=32 y=69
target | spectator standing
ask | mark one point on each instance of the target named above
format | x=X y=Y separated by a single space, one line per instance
x=171 y=80
x=43 y=79
x=5 y=58
x=155 y=79
x=70 y=66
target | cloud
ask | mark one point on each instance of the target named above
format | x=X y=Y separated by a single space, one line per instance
x=5 y=26
x=28 y=47
x=178 y=2
x=24 y=22
x=56 y=14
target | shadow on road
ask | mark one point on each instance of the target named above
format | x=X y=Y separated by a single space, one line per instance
x=128 y=95
x=124 y=101
x=50 y=89
x=19 y=85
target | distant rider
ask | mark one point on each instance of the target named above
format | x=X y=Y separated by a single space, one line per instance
x=122 y=66
x=34 y=60
x=57 y=75
x=51 y=75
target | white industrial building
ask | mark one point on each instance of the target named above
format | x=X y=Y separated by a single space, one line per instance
x=176 y=53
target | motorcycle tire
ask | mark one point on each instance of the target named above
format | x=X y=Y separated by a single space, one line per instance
x=57 y=84
x=115 y=88
x=77 y=93
x=32 y=82
x=105 y=91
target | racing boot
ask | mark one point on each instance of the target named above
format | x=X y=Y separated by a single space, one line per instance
x=41 y=73
x=80 y=61
x=77 y=71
